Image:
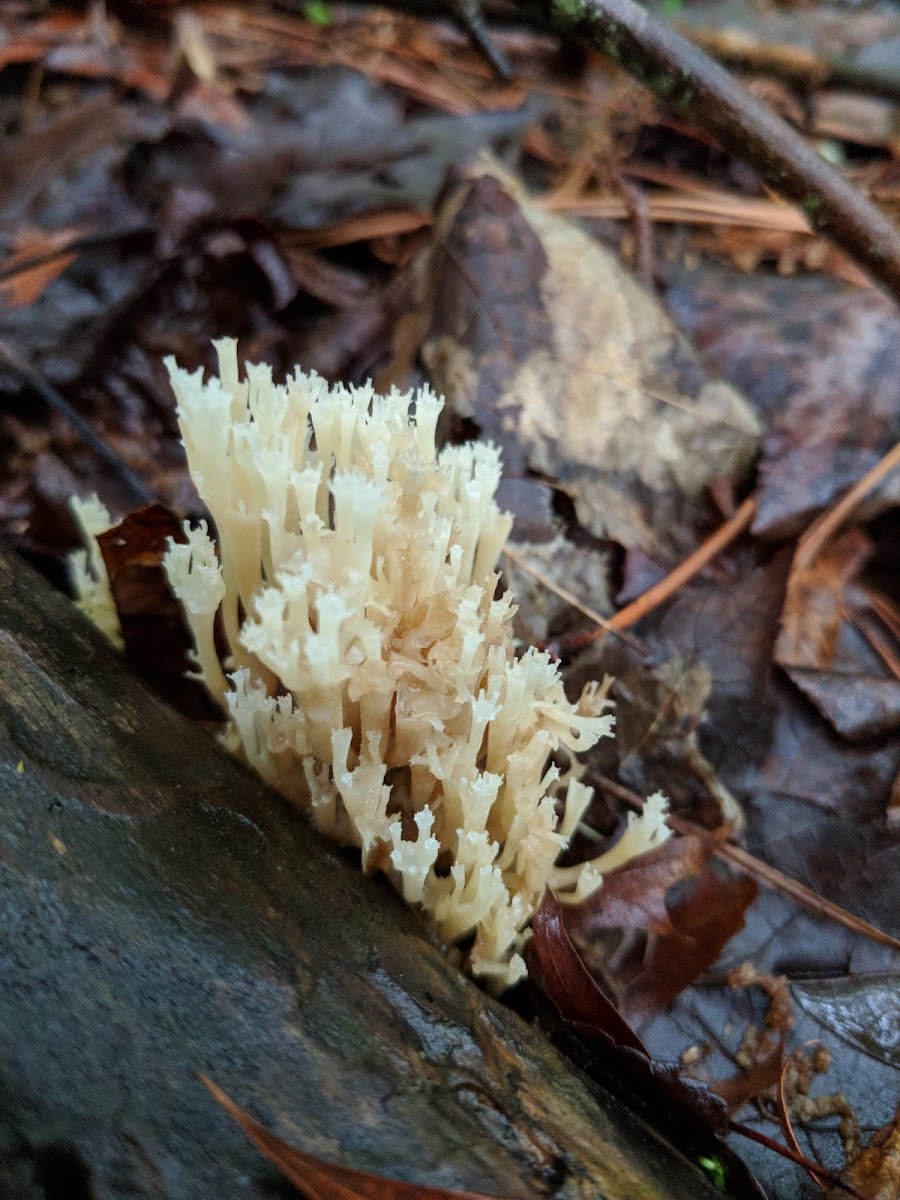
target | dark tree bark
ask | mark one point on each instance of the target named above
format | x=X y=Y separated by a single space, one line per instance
x=163 y=913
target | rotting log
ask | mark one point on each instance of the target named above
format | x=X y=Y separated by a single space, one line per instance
x=164 y=914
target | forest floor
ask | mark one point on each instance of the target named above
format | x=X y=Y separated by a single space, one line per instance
x=703 y=469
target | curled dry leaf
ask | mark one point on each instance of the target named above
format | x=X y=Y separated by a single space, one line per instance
x=875 y=1172
x=569 y=984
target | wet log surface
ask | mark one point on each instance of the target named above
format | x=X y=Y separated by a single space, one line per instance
x=163 y=913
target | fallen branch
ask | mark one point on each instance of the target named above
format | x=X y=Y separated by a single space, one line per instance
x=698 y=89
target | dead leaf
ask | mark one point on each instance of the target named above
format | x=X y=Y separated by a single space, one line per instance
x=538 y=334
x=661 y=709
x=29 y=161
x=818 y=816
x=609 y=1050
x=739 y=1089
x=819 y=360
x=814 y=605
x=876 y=1170
x=704 y=921
x=156 y=637
x=319 y=1180
x=829 y=649
x=569 y=984
x=862 y=1010
x=634 y=896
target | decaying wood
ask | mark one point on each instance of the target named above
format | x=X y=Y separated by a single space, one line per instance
x=165 y=914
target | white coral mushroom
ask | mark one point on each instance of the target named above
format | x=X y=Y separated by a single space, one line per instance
x=371 y=669
x=87 y=570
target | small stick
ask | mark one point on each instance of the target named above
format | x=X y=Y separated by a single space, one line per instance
x=697 y=88
x=829 y=522
x=642 y=226
x=785 y=1117
x=468 y=13
x=705 y=553
x=813 y=1168
x=33 y=379
x=571 y=598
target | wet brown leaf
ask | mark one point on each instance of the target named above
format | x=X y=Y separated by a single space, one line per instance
x=703 y=921
x=818 y=816
x=634 y=896
x=610 y=1051
x=737 y=1090
x=319 y=1180
x=569 y=984
x=37 y=259
x=156 y=636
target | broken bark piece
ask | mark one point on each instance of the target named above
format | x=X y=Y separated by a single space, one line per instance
x=166 y=914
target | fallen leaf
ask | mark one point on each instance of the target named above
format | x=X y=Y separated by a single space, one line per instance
x=39 y=257
x=826 y=647
x=320 y=1180
x=876 y=1170
x=705 y=920
x=818 y=816
x=28 y=162
x=535 y=332
x=862 y=1010
x=608 y=1049
x=569 y=984
x=739 y=1089
x=634 y=896
x=661 y=711
x=157 y=639
x=819 y=360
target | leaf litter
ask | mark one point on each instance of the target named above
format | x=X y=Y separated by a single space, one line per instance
x=180 y=177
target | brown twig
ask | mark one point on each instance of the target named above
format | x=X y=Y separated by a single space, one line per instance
x=784 y=1115
x=697 y=88
x=638 y=206
x=570 y=598
x=768 y=875
x=667 y=587
x=813 y=1168
x=829 y=522
x=37 y=383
